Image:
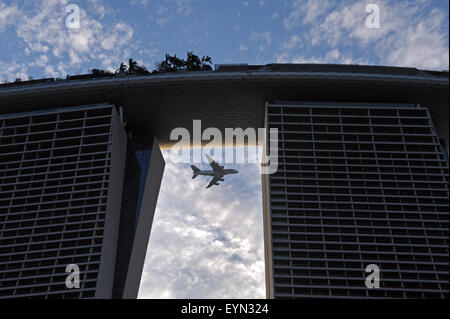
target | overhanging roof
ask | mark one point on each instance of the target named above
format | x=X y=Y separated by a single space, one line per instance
x=233 y=96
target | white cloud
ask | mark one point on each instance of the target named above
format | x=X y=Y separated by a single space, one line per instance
x=8 y=15
x=170 y=9
x=264 y=38
x=183 y=6
x=243 y=48
x=139 y=2
x=411 y=33
x=163 y=21
x=41 y=61
x=42 y=30
x=346 y=23
x=292 y=43
x=121 y=35
x=206 y=243
x=98 y=7
x=12 y=71
x=261 y=36
x=422 y=45
x=333 y=56
x=305 y=12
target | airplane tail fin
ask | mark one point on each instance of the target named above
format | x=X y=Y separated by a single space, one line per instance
x=195 y=171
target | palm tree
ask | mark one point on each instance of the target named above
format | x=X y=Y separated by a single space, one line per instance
x=170 y=64
x=175 y=63
x=134 y=68
x=100 y=72
x=192 y=63
x=122 y=68
x=205 y=61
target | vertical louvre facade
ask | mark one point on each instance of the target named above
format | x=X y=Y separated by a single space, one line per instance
x=139 y=158
x=57 y=200
x=356 y=185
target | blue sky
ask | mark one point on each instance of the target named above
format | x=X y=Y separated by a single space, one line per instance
x=208 y=243
x=35 y=41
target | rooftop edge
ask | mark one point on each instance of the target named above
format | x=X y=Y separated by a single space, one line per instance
x=275 y=67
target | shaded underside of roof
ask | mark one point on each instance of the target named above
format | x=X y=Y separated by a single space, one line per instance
x=234 y=96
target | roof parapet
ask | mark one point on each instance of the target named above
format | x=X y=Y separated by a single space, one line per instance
x=275 y=67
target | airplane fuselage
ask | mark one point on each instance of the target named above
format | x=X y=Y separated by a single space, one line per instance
x=217 y=172
x=221 y=174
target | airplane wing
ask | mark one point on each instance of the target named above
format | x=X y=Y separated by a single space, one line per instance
x=216 y=167
x=213 y=181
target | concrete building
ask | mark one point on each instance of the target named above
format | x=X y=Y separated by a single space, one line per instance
x=362 y=178
x=357 y=185
x=74 y=190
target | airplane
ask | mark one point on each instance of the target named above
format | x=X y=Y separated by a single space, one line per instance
x=218 y=172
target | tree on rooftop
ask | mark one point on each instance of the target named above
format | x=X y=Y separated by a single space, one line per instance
x=134 y=68
x=206 y=63
x=192 y=63
x=99 y=72
x=170 y=64
x=122 y=68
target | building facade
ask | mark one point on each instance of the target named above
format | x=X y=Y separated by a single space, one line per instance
x=71 y=191
x=357 y=185
x=362 y=178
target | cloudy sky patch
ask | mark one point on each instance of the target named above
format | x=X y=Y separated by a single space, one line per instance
x=411 y=33
x=206 y=243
